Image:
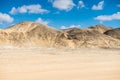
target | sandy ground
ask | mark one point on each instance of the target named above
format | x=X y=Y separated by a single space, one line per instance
x=62 y=64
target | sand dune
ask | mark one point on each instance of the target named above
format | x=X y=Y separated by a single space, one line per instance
x=62 y=64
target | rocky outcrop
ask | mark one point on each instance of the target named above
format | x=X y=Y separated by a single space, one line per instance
x=100 y=28
x=91 y=38
x=115 y=33
x=34 y=34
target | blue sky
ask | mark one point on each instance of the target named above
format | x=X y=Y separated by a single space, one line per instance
x=61 y=14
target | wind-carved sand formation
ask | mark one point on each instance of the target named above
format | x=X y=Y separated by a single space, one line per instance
x=34 y=34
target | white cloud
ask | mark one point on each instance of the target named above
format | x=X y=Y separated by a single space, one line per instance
x=35 y=8
x=63 y=4
x=118 y=5
x=39 y=20
x=99 y=6
x=5 y=18
x=115 y=16
x=63 y=27
x=77 y=26
x=71 y=26
x=81 y=4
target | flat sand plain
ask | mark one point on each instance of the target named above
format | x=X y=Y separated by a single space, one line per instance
x=59 y=64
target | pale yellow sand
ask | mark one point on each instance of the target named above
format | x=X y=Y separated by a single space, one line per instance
x=51 y=64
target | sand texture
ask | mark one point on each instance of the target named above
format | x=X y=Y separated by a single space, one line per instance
x=62 y=64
